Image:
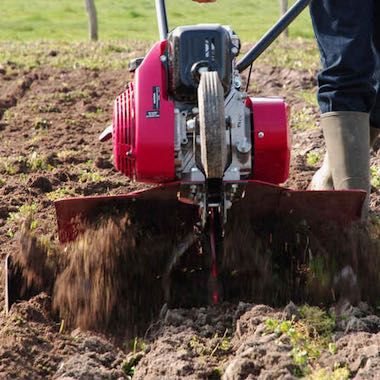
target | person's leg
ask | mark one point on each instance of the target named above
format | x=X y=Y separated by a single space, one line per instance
x=375 y=112
x=346 y=95
x=344 y=31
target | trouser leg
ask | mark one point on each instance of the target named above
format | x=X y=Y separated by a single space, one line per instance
x=344 y=30
x=375 y=111
x=347 y=91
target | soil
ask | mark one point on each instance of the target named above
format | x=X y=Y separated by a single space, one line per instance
x=50 y=119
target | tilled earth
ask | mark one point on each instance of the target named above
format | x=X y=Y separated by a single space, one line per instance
x=50 y=119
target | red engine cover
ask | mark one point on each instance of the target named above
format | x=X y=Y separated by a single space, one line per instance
x=271 y=139
x=143 y=124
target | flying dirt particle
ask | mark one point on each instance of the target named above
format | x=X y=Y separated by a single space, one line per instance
x=114 y=276
x=37 y=259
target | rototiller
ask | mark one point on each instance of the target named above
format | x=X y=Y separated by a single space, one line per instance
x=186 y=125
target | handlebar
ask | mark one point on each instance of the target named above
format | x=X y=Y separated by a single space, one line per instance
x=261 y=45
x=162 y=19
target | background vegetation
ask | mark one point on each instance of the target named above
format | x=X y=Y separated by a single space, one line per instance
x=66 y=20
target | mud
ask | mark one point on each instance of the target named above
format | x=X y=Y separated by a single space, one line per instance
x=49 y=122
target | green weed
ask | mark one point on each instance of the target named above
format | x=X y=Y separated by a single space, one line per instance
x=23 y=213
x=41 y=123
x=7 y=165
x=313 y=158
x=137 y=347
x=38 y=162
x=88 y=176
x=308 y=336
x=342 y=373
x=60 y=193
x=197 y=346
x=375 y=177
x=129 y=366
x=67 y=155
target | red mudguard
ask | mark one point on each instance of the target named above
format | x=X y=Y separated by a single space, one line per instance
x=262 y=201
x=271 y=139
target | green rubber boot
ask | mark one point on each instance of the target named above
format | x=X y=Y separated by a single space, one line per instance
x=347 y=141
x=322 y=179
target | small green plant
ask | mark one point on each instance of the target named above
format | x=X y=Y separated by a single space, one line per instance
x=312 y=158
x=308 y=336
x=375 y=177
x=38 y=162
x=197 y=346
x=318 y=321
x=7 y=165
x=22 y=213
x=60 y=193
x=223 y=343
x=67 y=155
x=87 y=176
x=129 y=366
x=341 y=373
x=42 y=124
x=137 y=347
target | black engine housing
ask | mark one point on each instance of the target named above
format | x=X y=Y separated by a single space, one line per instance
x=191 y=47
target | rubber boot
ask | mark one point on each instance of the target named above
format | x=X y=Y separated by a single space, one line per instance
x=322 y=179
x=347 y=142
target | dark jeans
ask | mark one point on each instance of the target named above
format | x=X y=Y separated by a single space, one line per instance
x=348 y=36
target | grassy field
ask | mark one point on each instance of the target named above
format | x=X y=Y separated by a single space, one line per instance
x=66 y=20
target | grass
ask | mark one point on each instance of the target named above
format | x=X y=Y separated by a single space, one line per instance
x=117 y=54
x=67 y=20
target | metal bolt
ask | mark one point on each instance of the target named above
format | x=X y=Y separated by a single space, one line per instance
x=244 y=146
x=163 y=58
x=237 y=82
x=261 y=135
x=190 y=125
